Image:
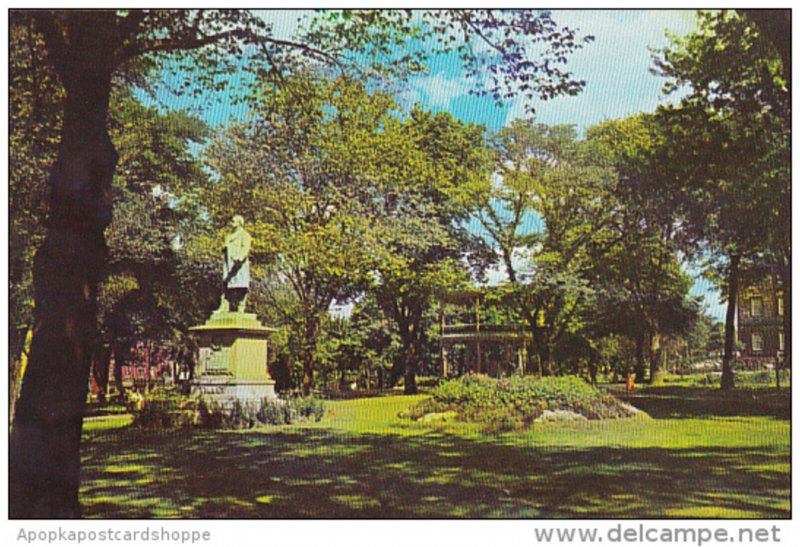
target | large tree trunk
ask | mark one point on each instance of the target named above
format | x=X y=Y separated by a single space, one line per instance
x=410 y=370
x=396 y=371
x=655 y=359
x=545 y=358
x=406 y=363
x=101 y=362
x=18 y=360
x=120 y=359
x=310 y=354
x=727 y=381
x=786 y=274
x=45 y=441
x=638 y=370
x=309 y=363
x=410 y=355
x=507 y=260
x=543 y=348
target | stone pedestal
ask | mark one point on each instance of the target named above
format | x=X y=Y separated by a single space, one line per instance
x=232 y=364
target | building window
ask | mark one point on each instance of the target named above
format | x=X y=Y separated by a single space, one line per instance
x=756 y=306
x=780 y=306
x=757 y=343
x=780 y=341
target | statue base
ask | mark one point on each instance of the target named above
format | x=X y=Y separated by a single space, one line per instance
x=232 y=364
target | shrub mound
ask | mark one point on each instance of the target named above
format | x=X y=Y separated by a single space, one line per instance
x=168 y=409
x=515 y=403
x=163 y=409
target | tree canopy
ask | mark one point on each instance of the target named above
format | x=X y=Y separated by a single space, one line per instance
x=725 y=148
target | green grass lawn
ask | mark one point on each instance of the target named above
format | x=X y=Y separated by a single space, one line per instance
x=701 y=454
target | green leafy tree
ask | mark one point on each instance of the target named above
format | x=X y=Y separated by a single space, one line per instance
x=635 y=261
x=423 y=235
x=726 y=149
x=364 y=346
x=546 y=172
x=705 y=340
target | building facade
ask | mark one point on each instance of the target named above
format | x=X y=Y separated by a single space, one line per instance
x=760 y=321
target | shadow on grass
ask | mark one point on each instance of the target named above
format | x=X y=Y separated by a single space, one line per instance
x=694 y=402
x=333 y=474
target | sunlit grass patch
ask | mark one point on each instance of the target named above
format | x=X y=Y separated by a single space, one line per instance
x=112 y=421
x=362 y=460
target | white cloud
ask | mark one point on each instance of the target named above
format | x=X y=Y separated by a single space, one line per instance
x=615 y=66
x=439 y=90
x=410 y=95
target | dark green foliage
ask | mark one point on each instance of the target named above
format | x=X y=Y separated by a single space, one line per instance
x=278 y=412
x=164 y=409
x=514 y=403
x=738 y=109
x=240 y=416
x=268 y=412
x=289 y=411
x=153 y=278
x=308 y=407
x=213 y=415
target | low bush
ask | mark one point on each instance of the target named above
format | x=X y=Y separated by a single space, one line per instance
x=428 y=381
x=163 y=409
x=168 y=409
x=308 y=408
x=515 y=403
x=268 y=412
x=238 y=416
x=276 y=412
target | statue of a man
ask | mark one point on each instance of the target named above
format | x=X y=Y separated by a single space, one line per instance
x=236 y=268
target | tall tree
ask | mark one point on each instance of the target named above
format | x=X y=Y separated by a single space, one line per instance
x=726 y=147
x=635 y=261
x=423 y=235
x=87 y=49
x=545 y=173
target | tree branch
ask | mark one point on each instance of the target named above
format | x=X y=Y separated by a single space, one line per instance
x=192 y=42
x=477 y=30
x=185 y=43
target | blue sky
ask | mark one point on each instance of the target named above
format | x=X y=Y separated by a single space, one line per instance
x=616 y=67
